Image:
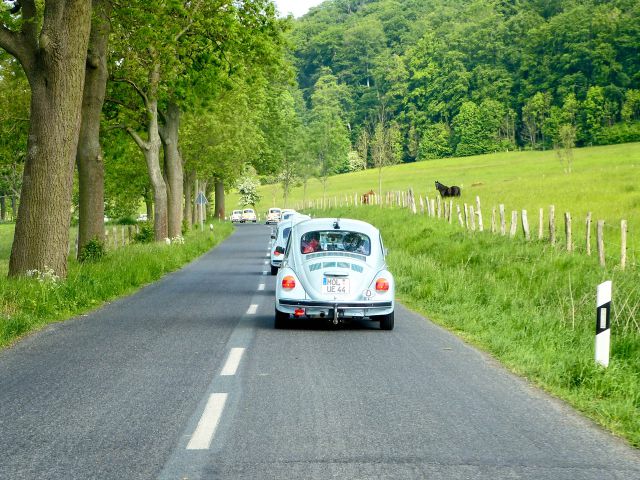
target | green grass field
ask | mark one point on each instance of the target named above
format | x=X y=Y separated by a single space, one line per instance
x=604 y=180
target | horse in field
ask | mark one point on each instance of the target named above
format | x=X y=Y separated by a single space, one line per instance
x=445 y=191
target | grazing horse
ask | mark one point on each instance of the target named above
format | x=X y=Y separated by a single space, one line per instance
x=445 y=191
x=366 y=198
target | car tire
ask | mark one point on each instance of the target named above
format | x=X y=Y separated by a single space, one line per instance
x=282 y=320
x=274 y=270
x=386 y=321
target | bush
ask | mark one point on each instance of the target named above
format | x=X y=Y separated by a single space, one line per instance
x=146 y=233
x=93 y=251
x=126 y=221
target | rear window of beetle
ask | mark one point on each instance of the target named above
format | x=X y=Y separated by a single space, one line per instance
x=335 y=241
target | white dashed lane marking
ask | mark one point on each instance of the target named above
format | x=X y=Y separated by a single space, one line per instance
x=252 y=309
x=206 y=429
x=233 y=362
x=261 y=287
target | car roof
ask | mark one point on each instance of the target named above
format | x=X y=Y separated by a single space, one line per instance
x=344 y=224
x=293 y=220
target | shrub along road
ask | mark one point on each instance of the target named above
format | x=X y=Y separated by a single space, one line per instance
x=188 y=379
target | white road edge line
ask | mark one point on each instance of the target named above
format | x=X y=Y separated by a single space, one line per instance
x=206 y=429
x=252 y=309
x=233 y=362
x=261 y=287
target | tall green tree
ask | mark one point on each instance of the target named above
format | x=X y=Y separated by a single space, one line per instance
x=328 y=128
x=50 y=41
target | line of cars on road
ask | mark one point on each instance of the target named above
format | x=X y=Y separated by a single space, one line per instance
x=332 y=269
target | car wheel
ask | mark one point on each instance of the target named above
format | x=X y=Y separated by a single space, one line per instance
x=386 y=321
x=282 y=320
x=274 y=270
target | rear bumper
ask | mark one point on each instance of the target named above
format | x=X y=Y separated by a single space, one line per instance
x=335 y=310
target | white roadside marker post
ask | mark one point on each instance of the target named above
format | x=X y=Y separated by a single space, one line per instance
x=603 y=323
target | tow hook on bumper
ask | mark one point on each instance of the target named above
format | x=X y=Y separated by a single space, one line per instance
x=335 y=314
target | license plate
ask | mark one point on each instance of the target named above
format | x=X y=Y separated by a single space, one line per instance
x=335 y=286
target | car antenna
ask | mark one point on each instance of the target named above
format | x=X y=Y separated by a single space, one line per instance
x=336 y=224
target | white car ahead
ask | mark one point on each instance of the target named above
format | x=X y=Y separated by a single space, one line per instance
x=280 y=237
x=249 y=215
x=236 y=216
x=273 y=216
x=334 y=269
x=287 y=213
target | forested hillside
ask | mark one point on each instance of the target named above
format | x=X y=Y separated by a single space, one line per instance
x=462 y=77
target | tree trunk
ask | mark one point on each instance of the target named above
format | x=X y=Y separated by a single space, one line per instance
x=196 y=209
x=208 y=188
x=89 y=156
x=169 y=134
x=189 y=184
x=148 y=200
x=55 y=69
x=219 y=188
x=3 y=208
x=14 y=208
x=151 y=150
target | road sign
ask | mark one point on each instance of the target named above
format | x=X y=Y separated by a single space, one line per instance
x=201 y=199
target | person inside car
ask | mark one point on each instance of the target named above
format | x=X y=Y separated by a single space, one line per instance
x=310 y=242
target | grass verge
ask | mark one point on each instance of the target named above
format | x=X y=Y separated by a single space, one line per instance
x=27 y=304
x=530 y=305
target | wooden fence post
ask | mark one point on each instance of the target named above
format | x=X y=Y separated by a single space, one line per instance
x=588 y=233
x=525 y=226
x=460 y=216
x=514 y=223
x=466 y=216
x=600 y=240
x=623 y=244
x=421 y=206
x=493 y=220
x=552 y=225
x=503 y=222
x=472 y=218
x=479 y=213
x=439 y=207
x=433 y=207
x=567 y=231
x=540 y=224
x=450 y=210
x=115 y=238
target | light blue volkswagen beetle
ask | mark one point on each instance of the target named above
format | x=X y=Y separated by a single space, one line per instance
x=334 y=269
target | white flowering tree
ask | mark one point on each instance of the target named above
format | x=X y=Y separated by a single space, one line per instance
x=248 y=189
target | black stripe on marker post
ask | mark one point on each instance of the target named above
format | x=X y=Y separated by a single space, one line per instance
x=603 y=318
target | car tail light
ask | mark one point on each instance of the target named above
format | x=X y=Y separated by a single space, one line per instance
x=276 y=253
x=299 y=312
x=288 y=282
x=382 y=285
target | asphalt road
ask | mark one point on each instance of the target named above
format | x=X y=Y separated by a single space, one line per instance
x=188 y=380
